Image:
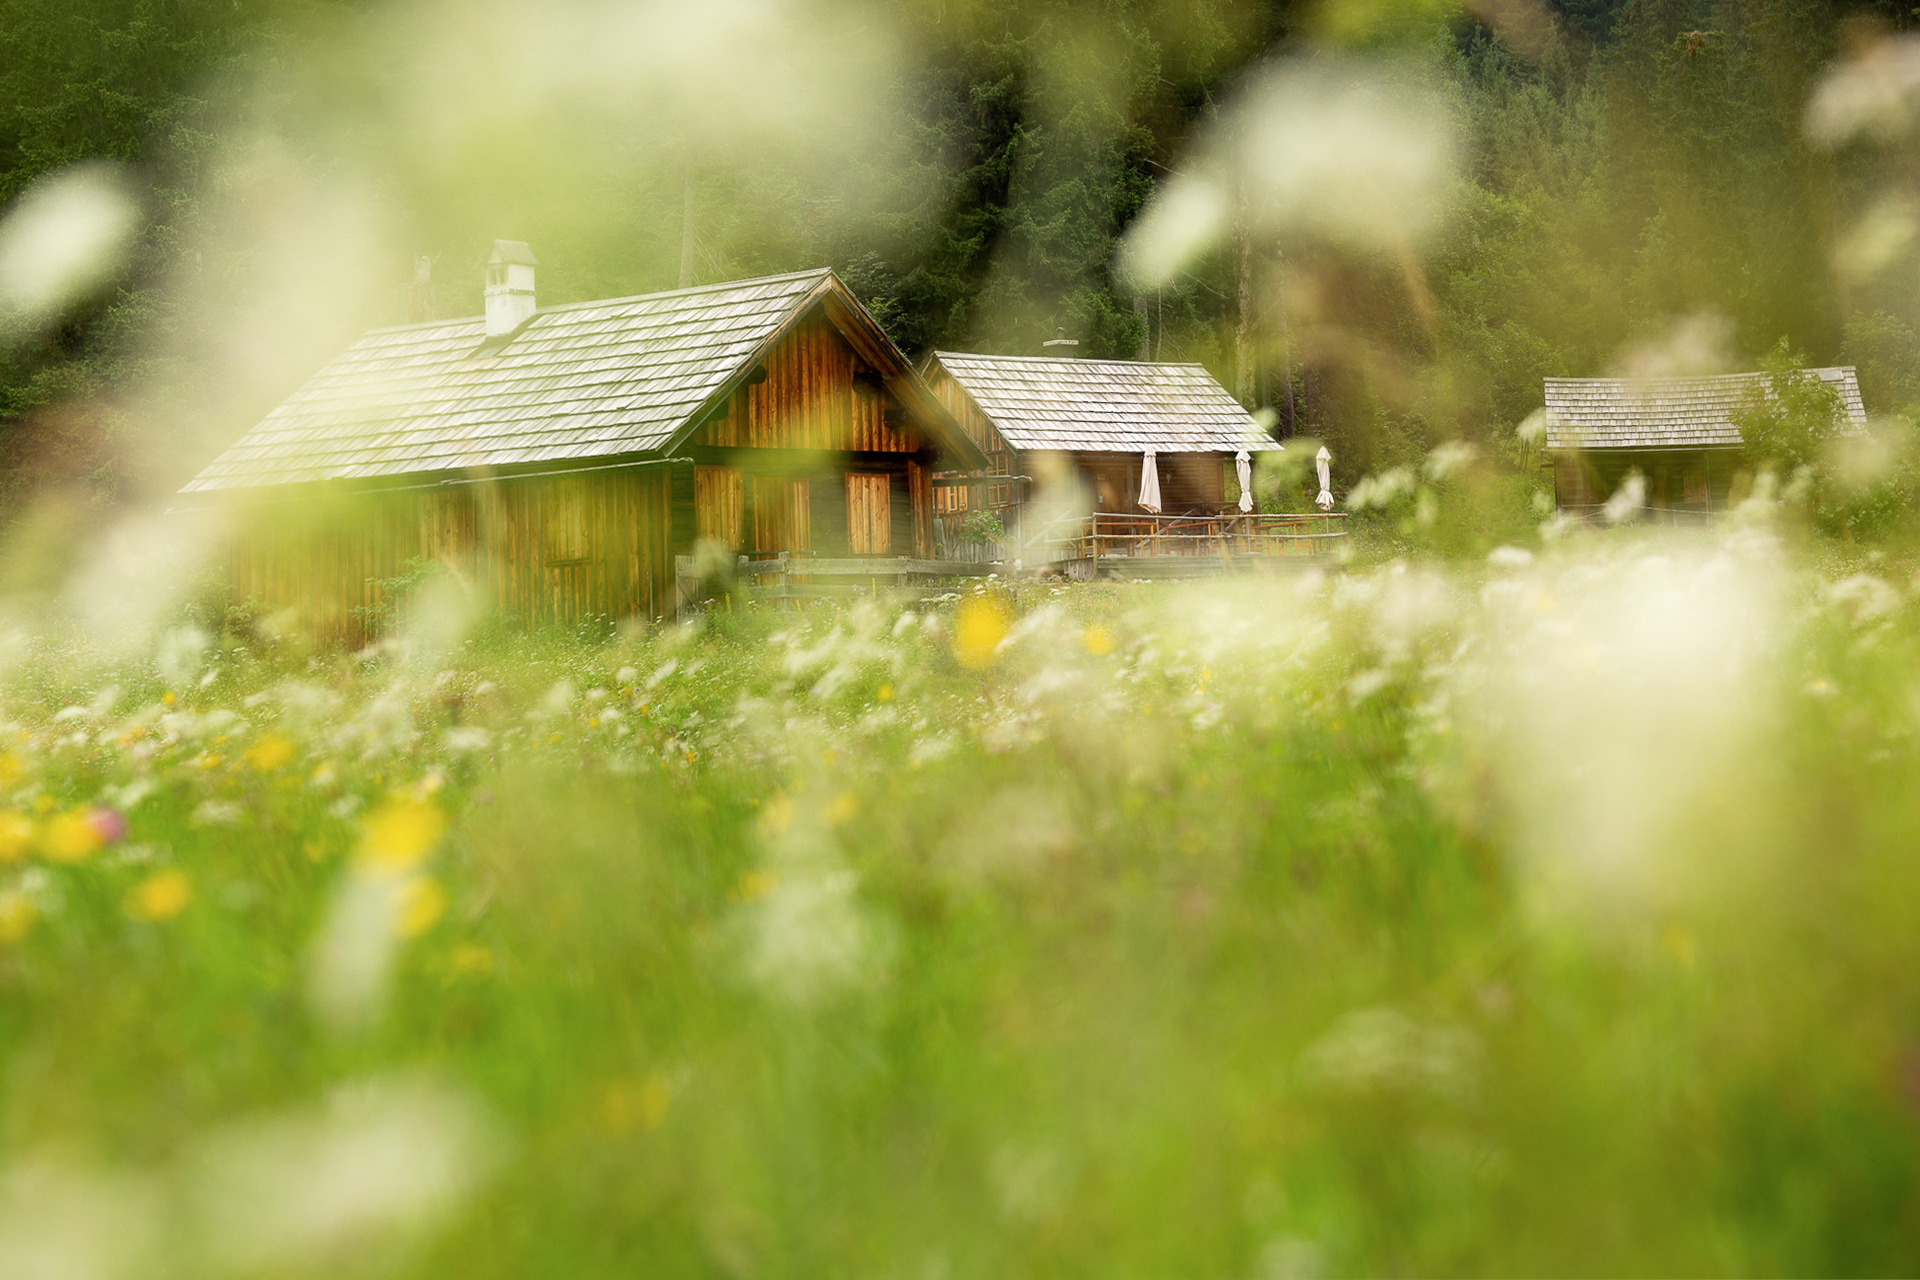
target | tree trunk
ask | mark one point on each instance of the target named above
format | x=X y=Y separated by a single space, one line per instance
x=686 y=237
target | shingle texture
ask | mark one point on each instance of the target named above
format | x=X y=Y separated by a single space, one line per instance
x=1104 y=406
x=1668 y=413
x=591 y=380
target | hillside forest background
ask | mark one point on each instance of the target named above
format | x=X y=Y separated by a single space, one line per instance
x=1634 y=187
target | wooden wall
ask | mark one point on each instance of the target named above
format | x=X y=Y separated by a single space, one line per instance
x=783 y=448
x=811 y=399
x=1001 y=459
x=553 y=549
x=1677 y=479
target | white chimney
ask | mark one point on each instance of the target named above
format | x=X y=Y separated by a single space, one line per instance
x=509 y=287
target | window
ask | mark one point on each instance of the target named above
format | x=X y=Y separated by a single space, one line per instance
x=869 y=514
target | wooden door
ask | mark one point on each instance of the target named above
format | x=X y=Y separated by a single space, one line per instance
x=869 y=514
x=717 y=505
x=782 y=515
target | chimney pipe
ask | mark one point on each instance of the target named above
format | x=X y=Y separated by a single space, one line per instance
x=509 y=287
x=1061 y=341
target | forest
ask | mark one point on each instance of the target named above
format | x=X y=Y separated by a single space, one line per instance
x=1632 y=186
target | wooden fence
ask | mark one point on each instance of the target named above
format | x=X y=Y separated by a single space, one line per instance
x=799 y=575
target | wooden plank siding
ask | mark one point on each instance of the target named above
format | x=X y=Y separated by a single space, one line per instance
x=719 y=502
x=550 y=550
x=794 y=438
x=811 y=400
x=869 y=513
x=1001 y=460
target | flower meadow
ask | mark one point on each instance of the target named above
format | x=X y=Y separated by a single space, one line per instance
x=1550 y=913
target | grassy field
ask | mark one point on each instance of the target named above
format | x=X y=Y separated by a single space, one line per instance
x=1553 y=915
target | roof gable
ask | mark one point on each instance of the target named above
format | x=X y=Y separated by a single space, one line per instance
x=622 y=377
x=1669 y=413
x=1103 y=406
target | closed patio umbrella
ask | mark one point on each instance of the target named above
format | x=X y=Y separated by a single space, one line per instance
x=1149 y=483
x=1243 y=470
x=1321 y=462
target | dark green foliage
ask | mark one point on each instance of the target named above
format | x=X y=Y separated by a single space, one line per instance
x=1792 y=425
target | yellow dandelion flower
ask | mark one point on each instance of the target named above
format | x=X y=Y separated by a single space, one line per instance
x=16 y=834
x=16 y=915
x=978 y=630
x=70 y=837
x=470 y=959
x=43 y=803
x=270 y=753
x=777 y=816
x=754 y=885
x=423 y=901
x=1097 y=640
x=886 y=693
x=844 y=806
x=656 y=1094
x=168 y=698
x=161 y=896
x=10 y=768
x=628 y=1104
x=400 y=833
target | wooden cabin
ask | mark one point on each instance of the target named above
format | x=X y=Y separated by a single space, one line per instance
x=1092 y=423
x=558 y=459
x=1678 y=433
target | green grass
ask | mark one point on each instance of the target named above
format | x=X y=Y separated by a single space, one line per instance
x=1538 y=919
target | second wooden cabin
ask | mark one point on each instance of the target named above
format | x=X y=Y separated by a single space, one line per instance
x=1095 y=427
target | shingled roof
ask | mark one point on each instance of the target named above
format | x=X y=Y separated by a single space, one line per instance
x=1668 y=413
x=625 y=377
x=1104 y=406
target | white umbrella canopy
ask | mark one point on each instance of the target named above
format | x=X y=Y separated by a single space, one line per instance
x=1149 y=483
x=1322 y=462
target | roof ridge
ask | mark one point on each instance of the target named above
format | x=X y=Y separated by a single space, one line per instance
x=604 y=302
x=1132 y=364
x=1700 y=377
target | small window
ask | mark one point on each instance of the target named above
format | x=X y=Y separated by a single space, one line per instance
x=496 y=276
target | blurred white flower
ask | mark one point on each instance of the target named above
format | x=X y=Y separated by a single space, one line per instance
x=1627 y=501
x=305 y=1187
x=1384 y=1048
x=61 y=1221
x=64 y=238
x=1357 y=153
x=1874 y=92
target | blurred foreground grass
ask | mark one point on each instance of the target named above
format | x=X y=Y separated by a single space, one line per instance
x=1555 y=916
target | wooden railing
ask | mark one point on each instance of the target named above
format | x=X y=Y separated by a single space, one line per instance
x=1692 y=516
x=1112 y=534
